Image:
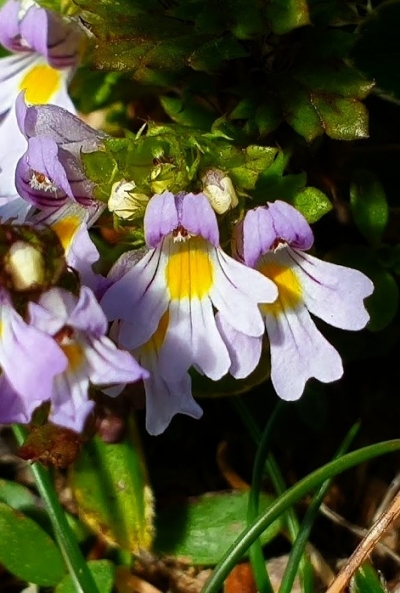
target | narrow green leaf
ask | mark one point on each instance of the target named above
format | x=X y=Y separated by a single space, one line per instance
x=27 y=551
x=110 y=485
x=16 y=496
x=202 y=528
x=369 y=205
x=366 y=580
x=103 y=572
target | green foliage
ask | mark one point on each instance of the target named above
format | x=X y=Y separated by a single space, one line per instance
x=369 y=205
x=366 y=580
x=377 y=50
x=103 y=572
x=27 y=551
x=203 y=528
x=110 y=486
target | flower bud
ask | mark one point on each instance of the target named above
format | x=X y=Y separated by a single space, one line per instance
x=219 y=190
x=124 y=202
x=26 y=266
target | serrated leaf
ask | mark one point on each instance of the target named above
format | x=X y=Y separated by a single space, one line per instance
x=110 y=486
x=203 y=528
x=312 y=203
x=27 y=551
x=368 y=205
x=103 y=572
x=256 y=160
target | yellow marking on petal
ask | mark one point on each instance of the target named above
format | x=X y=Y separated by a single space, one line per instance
x=289 y=288
x=75 y=355
x=40 y=84
x=189 y=272
x=157 y=339
x=66 y=228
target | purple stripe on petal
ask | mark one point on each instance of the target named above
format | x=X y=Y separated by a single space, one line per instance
x=333 y=293
x=298 y=353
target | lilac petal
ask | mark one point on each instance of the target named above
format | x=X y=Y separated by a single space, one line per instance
x=88 y=315
x=258 y=235
x=199 y=218
x=70 y=404
x=34 y=29
x=298 y=352
x=244 y=351
x=14 y=209
x=107 y=364
x=290 y=225
x=28 y=374
x=81 y=187
x=48 y=321
x=332 y=292
x=192 y=338
x=236 y=292
x=15 y=407
x=160 y=218
x=9 y=26
x=139 y=298
x=165 y=399
x=10 y=152
x=64 y=41
x=57 y=123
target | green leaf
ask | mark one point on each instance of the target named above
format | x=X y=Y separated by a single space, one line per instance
x=312 y=203
x=285 y=15
x=201 y=529
x=110 y=485
x=366 y=580
x=16 y=496
x=377 y=50
x=256 y=159
x=188 y=113
x=103 y=572
x=368 y=205
x=27 y=551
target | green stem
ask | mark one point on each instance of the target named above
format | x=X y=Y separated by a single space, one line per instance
x=308 y=521
x=285 y=501
x=69 y=547
x=256 y=554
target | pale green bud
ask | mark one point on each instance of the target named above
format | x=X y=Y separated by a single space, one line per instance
x=125 y=202
x=219 y=190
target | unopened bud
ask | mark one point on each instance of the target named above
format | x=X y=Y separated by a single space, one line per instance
x=26 y=266
x=219 y=190
x=126 y=203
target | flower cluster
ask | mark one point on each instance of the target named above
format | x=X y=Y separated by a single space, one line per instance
x=181 y=305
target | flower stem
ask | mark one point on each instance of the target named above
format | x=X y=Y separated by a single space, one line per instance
x=69 y=547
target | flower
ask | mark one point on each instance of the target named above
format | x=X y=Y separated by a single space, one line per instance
x=51 y=172
x=71 y=223
x=27 y=377
x=79 y=327
x=165 y=303
x=48 y=48
x=219 y=190
x=273 y=241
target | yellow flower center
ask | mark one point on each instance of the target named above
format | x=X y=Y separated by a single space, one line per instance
x=40 y=84
x=189 y=272
x=74 y=353
x=289 y=288
x=156 y=341
x=66 y=229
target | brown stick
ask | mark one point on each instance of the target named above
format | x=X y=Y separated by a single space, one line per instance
x=366 y=546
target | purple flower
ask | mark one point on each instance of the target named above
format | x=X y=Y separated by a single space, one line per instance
x=48 y=48
x=273 y=242
x=29 y=359
x=79 y=327
x=51 y=171
x=71 y=223
x=166 y=303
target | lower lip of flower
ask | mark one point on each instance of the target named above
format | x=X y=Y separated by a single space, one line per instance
x=289 y=289
x=189 y=271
